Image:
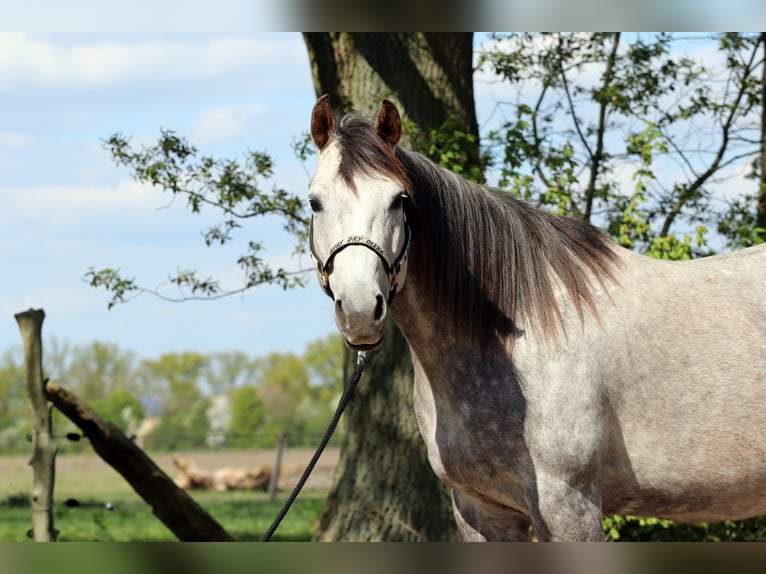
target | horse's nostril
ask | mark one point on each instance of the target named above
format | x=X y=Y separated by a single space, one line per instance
x=338 y=305
x=378 y=307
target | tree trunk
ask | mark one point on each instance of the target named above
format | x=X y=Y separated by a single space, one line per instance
x=384 y=488
x=760 y=220
x=428 y=75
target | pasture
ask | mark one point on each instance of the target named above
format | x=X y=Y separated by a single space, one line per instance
x=94 y=485
x=246 y=515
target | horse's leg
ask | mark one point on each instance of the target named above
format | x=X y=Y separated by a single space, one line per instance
x=479 y=522
x=566 y=511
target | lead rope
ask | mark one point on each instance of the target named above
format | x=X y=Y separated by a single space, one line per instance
x=342 y=403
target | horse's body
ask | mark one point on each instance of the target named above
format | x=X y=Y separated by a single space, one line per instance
x=600 y=381
x=658 y=410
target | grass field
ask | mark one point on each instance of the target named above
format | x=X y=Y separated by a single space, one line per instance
x=93 y=484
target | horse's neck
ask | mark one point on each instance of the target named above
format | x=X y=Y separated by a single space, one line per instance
x=423 y=324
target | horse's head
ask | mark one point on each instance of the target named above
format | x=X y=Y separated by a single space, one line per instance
x=359 y=235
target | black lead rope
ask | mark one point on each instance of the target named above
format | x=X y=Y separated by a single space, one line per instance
x=342 y=403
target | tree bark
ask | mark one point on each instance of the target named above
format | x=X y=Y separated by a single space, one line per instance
x=384 y=488
x=428 y=75
x=760 y=217
x=172 y=505
x=43 y=460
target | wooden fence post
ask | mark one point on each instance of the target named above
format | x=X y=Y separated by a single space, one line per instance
x=274 y=479
x=44 y=449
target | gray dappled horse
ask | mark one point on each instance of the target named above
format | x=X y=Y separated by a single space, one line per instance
x=558 y=376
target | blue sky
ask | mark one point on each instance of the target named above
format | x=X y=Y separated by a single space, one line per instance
x=67 y=207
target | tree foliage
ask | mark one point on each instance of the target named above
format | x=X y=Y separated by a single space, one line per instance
x=248 y=415
x=237 y=190
x=224 y=400
x=634 y=133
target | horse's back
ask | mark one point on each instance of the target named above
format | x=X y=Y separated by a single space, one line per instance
x=685 y=379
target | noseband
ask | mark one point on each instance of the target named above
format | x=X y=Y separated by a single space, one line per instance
x=392 y=270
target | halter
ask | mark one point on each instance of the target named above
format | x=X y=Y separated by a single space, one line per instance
x=392 y=270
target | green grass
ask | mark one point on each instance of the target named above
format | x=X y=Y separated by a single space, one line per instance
x=245 y=515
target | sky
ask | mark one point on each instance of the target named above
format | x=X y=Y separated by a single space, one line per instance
x=66 y=207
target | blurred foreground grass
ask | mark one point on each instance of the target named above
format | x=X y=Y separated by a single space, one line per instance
x=245 y=515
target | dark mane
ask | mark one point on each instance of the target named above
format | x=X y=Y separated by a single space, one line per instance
x=482 y=255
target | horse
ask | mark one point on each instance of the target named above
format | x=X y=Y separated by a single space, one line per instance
x=558 y=376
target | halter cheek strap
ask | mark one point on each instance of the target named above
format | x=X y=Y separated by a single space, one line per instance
x=392 y=270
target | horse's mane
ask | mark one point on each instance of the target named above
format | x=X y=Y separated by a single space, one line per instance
x=482 y=256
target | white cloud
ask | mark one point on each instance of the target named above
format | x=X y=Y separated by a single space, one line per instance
x=14 y=140
x=69 y=206
x=226 y=122
x=89 y=16
x=29 y=62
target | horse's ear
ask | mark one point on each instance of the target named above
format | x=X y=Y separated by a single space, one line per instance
x=322 y=122
x=389 y=124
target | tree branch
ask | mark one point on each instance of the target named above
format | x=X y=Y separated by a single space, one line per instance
x=538 y=140
x=597 y=158
x=693 y=189
x=570 y=103
x=125 y=290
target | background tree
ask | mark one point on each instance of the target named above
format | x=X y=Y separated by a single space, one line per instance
x=323 y=361
x=248 y=414
x=95 y=370
x=224 y=372
x=744 y=223
x=594 y=111
x=14 y=422
x=283 y=386
x=175 y=384
x=122 y=408
x=213 y=399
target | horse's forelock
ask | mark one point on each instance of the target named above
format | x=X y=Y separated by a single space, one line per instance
x=364 y=152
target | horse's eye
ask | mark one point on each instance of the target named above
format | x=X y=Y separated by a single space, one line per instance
x=398 y=201
x=315 y=204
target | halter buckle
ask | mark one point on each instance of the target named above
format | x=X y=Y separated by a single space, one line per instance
x=324 y=278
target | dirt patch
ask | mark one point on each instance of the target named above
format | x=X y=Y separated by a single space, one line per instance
x=76 y=473
x=294 y=461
